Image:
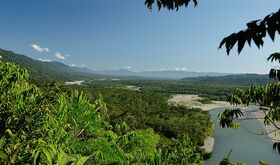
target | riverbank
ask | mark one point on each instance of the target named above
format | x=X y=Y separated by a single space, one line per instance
x=192 y=101
x=209 y=144
x=269 y=129
x=246 y=145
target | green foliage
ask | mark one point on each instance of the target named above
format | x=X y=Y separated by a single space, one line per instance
x=274 y=72
x=33 y=129
x=54 y=127
x=214 y=88
x=227 y=161
x=266 y=96
x=181 y=151
x=143 y=109
x=205 y=100
x=227 y=117
x=262 y=162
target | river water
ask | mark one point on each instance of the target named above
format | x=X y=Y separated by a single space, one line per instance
x=247 y=146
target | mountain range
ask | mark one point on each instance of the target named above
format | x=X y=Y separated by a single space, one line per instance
x=172 y=74
x=47 y=71
x=42 y=72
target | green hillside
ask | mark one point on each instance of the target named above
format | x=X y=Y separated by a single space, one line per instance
x=42 y=72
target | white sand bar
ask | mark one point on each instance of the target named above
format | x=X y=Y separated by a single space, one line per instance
x=190 y=101
x=74 y=83
x=209 y=144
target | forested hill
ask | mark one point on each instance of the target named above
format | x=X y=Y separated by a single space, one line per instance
x=41 y=72
x=230 y=80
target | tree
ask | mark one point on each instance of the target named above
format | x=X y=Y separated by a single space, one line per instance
x=275 y=71
x=49 y=126
x=267 y=96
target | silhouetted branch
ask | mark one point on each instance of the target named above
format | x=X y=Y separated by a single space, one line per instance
x=256 y=31
x=170 y=4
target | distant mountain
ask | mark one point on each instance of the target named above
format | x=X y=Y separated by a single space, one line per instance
x=180 y=74
x=82 y=69
x=240 y=79
x=117 y=73
x=159 y=74
x=42 y=72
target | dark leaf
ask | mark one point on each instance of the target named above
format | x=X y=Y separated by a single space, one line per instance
x=272 y=74
x=231 y=40
x=241 y=41
x=274 y=57
x=159 y=5
x=170 y=4
x=276 y=146
x=278 y=75
x=223 y=42
x=256 y=31
x=195 y=2
x=271 y=29
x=252 y=24
x=258 y=41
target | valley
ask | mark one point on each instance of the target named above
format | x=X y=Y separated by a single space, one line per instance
x=174 y=110
x=139 y=82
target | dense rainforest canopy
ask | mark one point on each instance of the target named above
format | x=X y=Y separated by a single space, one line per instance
x=52 y=126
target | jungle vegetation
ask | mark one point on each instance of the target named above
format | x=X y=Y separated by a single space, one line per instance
x=57 y=126
x=64 y=126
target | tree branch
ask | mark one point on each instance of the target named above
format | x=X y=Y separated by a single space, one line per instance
x=256 y=31
x=170 y=4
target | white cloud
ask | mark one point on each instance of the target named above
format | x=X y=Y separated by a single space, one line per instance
x=181 y=69
x=119 y=68
x=184 y=69
x=45 y=60
x=39 y=48
x=61 y=56
x=73 y=65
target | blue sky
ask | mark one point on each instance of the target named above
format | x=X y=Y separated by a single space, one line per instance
x=115 y=34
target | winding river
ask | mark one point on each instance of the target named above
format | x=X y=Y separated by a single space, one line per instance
x=247 y=146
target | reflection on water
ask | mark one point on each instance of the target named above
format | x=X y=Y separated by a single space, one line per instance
x=247 y=147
